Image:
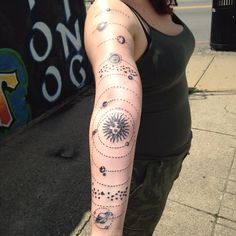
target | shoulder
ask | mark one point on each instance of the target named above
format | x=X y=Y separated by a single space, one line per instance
x=102 y=6
x=106 y=23
x=113 y=13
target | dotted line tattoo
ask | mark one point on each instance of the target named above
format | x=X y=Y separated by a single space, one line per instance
x=110 y=65
x=108 y=185
x=104 y=171
x=115 y=157
x=117 y=87
x=119 y=39
x=112 y=10
x=118 y=195
x=106 y=103
x=114 y=206
x=103 y=25
x=115 y=65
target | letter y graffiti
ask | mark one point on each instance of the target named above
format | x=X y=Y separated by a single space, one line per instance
x=14 y=108
x=5 y=113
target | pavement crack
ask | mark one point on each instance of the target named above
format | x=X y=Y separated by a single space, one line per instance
x=204 y=72
x=194 y=208
x=197 y=92
x=221 y=201
x=225 y=218
x=82 y=228
x=215 y=132
x=216 y=215
x=227 y=226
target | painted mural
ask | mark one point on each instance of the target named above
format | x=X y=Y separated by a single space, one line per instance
x=42 y=58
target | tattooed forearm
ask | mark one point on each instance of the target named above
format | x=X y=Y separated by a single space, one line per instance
x=113 y=133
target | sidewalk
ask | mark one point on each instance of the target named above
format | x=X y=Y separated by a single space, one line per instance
x=44 y=172
x=203 y=200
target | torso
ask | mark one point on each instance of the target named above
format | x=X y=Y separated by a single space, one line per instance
x=166 y=118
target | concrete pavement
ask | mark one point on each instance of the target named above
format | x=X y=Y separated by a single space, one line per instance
x=203 y=200
x=44 y=171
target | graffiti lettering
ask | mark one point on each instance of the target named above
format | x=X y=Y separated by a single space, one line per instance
x=44 y=29
x=52 y=70
x=65 y=33
x=82 y=72
x=68 y=38
x=5 y=114
x=31 y=4
x=67 y=9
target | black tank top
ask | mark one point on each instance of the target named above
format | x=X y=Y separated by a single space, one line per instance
x=165 y=128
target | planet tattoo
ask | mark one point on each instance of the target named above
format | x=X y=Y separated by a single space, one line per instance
x=121 y=39
x=103 y=217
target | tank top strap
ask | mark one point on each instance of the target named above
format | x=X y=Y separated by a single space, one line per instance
x=177 y=20
x=144 y=24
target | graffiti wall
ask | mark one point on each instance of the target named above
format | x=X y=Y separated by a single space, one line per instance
x=42 y=58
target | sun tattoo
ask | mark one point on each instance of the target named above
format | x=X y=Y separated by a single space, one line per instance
x=116 y=128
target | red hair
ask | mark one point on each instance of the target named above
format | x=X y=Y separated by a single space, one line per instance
x=163 y=6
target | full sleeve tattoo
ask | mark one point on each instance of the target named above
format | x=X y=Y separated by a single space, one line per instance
x=114 y=124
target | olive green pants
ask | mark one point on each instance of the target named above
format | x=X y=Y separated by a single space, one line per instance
x=150 y=186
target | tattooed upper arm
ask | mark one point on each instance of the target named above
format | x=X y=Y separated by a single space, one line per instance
x=108 y=29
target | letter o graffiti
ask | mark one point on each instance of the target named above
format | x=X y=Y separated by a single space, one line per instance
x=52 y=70
x=42 y=27
x=81 y=71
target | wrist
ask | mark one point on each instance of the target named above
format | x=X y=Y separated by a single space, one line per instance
x=109 y=232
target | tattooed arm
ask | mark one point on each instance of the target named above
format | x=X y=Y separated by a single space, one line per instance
x=116 y=116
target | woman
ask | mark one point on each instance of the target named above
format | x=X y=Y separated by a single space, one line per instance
x=141 y=126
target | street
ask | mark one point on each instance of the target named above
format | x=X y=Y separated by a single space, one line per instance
x=196 y=14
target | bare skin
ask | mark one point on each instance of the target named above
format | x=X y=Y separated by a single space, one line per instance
x=114 y=40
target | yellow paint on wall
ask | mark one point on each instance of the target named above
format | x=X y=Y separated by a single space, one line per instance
x=193 y=7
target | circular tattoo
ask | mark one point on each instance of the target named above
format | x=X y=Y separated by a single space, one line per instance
x=130 y=77
x=116 y=128
x=101 y=26
x=116 y=131
x=103 y=170
x=103 y=218
x=104 y=104
x=121 y=39
x=115 y=58
x=94 y=132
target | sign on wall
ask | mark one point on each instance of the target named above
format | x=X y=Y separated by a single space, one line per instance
x=42 y=58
